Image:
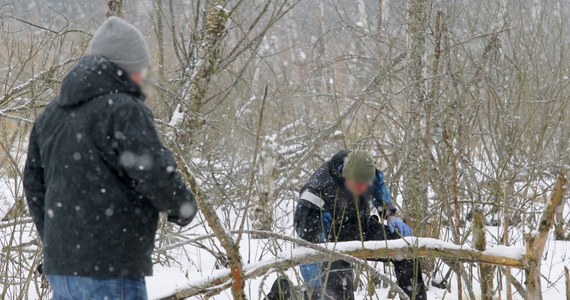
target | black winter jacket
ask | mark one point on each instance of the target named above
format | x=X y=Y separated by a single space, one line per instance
x=324 y=199
x=97 y=176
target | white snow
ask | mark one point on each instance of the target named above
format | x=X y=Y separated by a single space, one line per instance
x=177 y=116
x=516 y=252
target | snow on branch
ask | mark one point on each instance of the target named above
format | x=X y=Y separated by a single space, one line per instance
x=354 y=252
x=412 y=247
x=39 y=76
x=208 y=53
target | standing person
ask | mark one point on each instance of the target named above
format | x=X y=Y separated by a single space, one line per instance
x=97 y=174
x=334 y=206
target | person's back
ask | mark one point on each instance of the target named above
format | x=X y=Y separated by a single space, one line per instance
x=97 y=176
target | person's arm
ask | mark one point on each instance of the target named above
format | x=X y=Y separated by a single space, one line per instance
x=312 y=224
x=382 y=198
x=149 y=165
x=383 y=203
x=34 y=185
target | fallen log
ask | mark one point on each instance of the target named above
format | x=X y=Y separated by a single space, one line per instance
x=410 y=247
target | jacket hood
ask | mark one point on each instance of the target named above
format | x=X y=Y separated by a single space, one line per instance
x=335 y=167
x=94 y=76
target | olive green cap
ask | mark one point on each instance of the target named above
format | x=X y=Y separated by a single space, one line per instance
x=359 y=166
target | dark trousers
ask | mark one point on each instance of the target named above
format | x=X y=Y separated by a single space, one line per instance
x=339 y=275
x=338 y=278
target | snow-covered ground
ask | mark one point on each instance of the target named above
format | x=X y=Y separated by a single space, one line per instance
x=167 y=280
x=7 y=194
x=194 y=265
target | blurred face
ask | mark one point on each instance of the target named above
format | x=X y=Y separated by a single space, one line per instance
x=357 y=188
x=138 y=77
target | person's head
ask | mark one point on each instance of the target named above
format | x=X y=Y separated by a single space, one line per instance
x=358 y=171
x=124 y=45
x=138 y=77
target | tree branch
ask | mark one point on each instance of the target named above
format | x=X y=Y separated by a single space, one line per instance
x=15 y=223
x=354 y=253
x=227 y=241
x=535 y=242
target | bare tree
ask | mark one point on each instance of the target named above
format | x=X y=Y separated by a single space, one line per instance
x=464 y=109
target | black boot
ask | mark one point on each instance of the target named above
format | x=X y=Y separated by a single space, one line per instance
x=406 y=271
x=339 y=281
x=282 y=289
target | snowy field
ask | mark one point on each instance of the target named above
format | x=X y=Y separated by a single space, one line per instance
x=463 y=105
x=190 y=265
x=167 y=280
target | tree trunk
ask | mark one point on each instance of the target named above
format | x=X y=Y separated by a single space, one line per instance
x=380 y=19
x=188 y=115
x=321 y=78
x=480 y=242
x=508 y=196
x=159 y=31
x=415 y=192
x=208 y=53
x=535 y=242
x=559 y=225
x=160 y=38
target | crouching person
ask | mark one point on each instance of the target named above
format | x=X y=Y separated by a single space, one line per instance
x=334 y=206
x=97 y=174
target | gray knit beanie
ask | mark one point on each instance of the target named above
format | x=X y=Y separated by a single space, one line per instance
x=122 y=44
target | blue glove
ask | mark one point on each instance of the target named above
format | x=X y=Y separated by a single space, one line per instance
x=395 y=223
